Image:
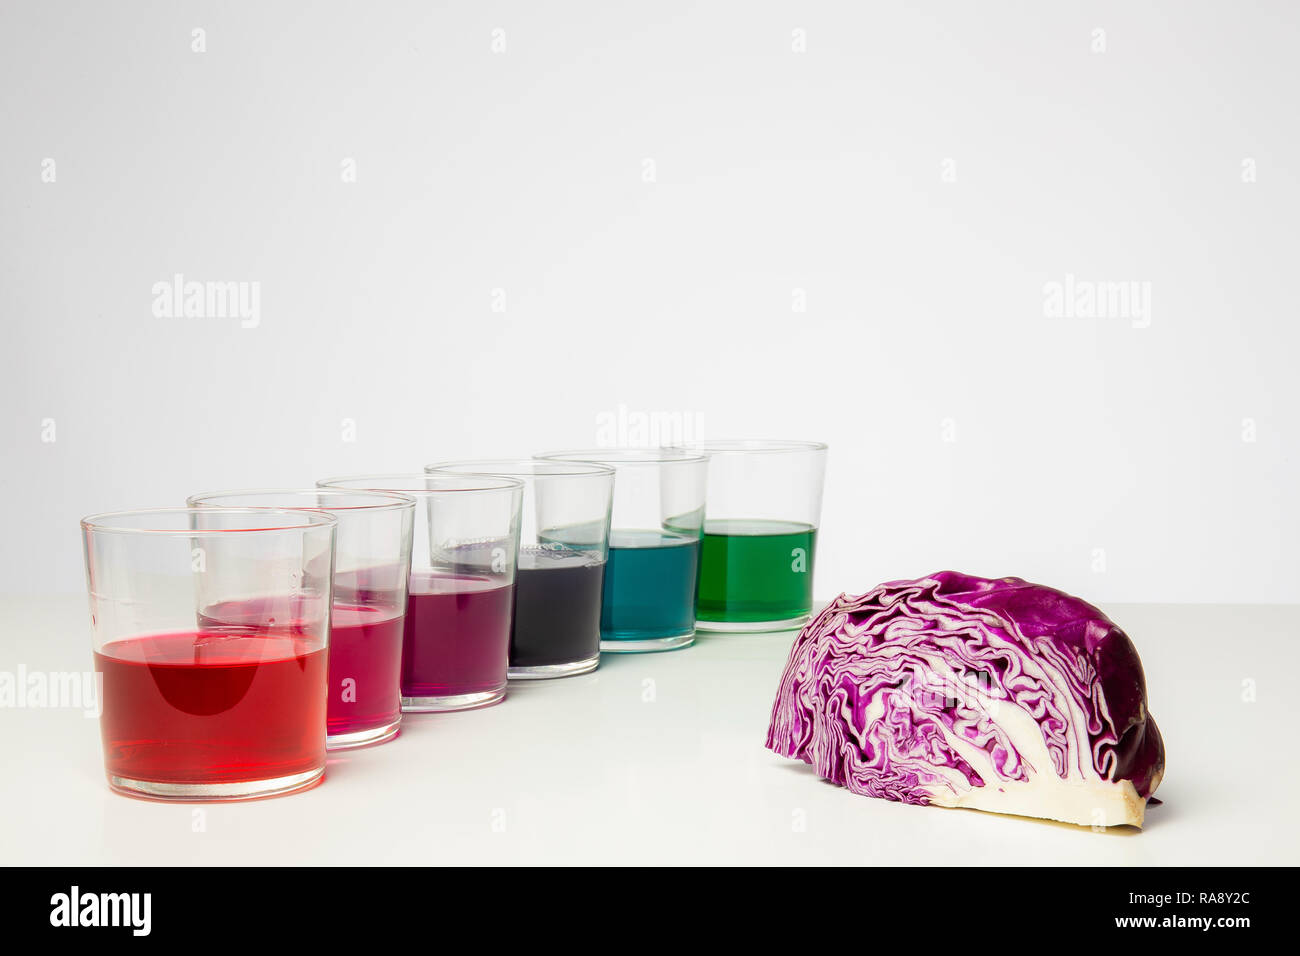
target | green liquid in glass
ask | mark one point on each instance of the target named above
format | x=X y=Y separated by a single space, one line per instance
x=753 y=571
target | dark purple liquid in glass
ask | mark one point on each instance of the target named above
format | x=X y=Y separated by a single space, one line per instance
x=457 y=635
x=557 y=608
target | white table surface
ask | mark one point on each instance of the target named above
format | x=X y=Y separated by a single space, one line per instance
x=659 y=758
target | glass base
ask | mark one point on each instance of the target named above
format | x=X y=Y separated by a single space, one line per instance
x=214 y=792
x=753 y=627
x=547 y=671
x=364 y=738
x=437 y=705
x=648 y=645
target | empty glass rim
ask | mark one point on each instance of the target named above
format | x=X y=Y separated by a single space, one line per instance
x=621 y=457
x=138 y=521
x=381 y=500
x=406 y=483
x=525 y=467
x=724 y=446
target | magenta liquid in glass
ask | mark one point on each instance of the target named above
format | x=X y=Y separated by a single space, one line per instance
x=364 y=670
x=457 y=639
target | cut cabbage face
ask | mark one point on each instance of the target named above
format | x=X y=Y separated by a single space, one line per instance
x=961 y=691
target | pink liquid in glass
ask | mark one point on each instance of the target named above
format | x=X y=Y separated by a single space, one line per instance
x=223 y=706
x=457 y=635
x=365 y=669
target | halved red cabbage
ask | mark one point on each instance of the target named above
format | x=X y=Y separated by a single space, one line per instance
x=962 y=691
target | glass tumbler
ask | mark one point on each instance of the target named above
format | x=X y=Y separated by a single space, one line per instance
x=462 y=585
x=372 y=560
x=211 y=635
x=563 y=545
x=760 y=534
x=654 y=546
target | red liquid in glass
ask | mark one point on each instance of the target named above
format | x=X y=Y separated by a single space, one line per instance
x=365 y=669
x=213 y=707
x=457 y=636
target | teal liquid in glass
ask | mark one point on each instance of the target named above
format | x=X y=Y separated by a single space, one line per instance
x=649 y=586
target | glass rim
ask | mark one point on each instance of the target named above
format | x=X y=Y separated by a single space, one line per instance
x=482 y=484
x=395 y=500
x=303 y=519
x=733 y=446
x=626 y=456
x=523 y=467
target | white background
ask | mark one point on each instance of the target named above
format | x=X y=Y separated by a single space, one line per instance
x=1103 y=458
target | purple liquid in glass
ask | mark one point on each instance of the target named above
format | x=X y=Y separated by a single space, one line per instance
x=457 y=635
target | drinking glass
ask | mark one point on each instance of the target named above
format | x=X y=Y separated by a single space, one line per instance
x=761 y=515
x=211 y=635
x=654 y=546
x=563 y=545
x=462 y=583
x=372 y=560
